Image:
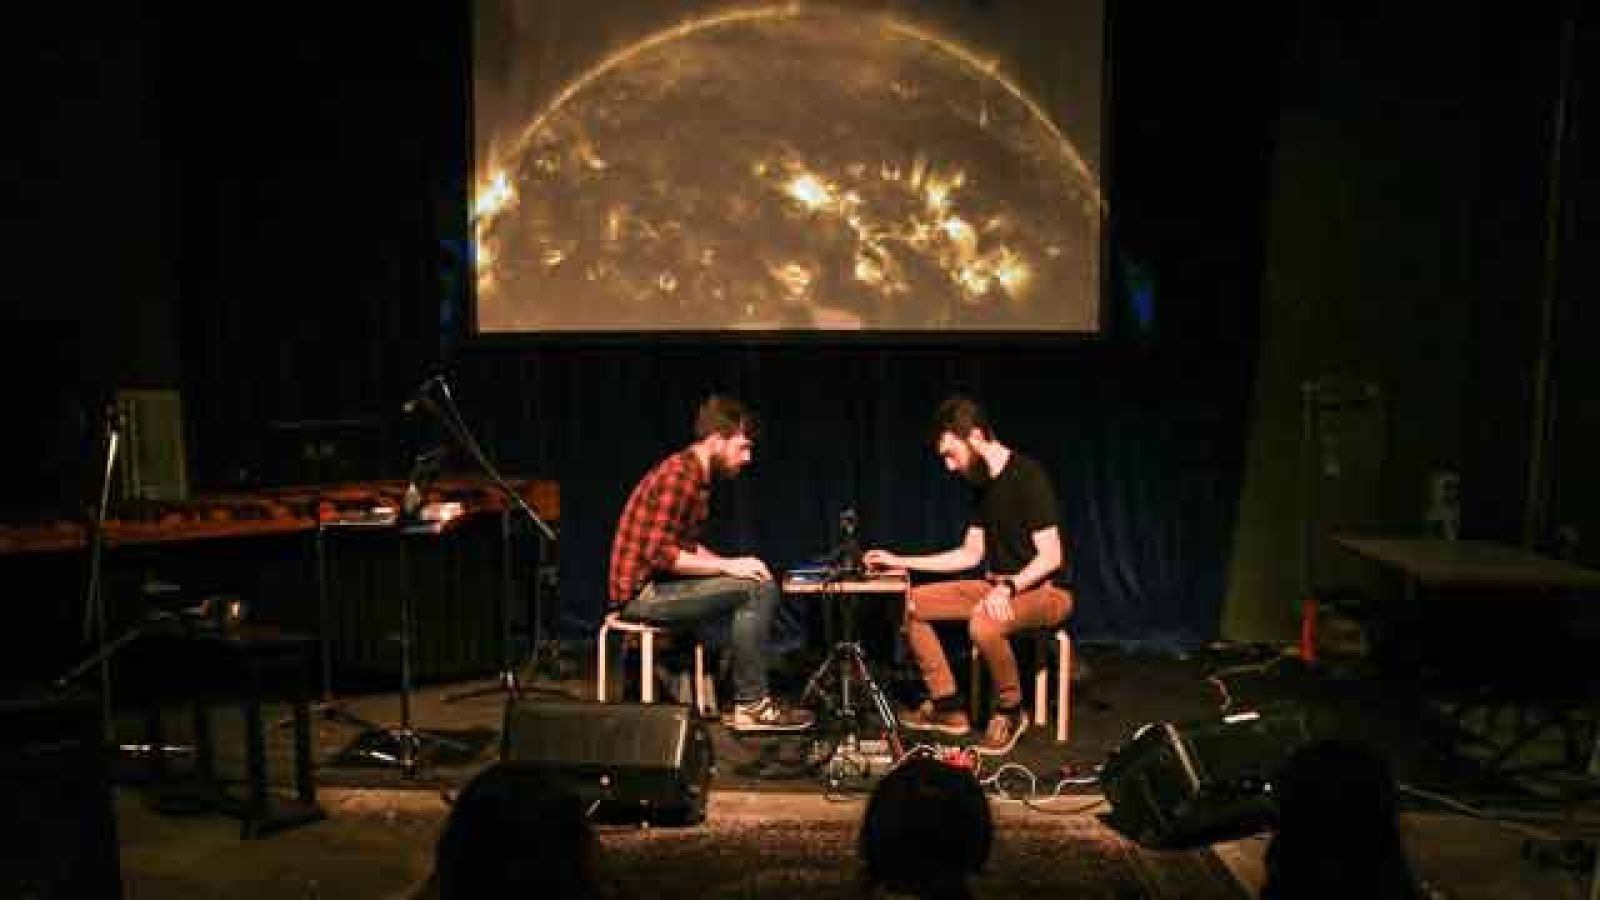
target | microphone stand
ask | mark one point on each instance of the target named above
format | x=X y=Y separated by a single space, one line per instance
x=94 y=608
x=507 y=681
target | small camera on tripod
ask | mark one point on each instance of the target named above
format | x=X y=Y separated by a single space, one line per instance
x=848 y=556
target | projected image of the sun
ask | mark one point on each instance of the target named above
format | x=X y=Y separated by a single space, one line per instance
x=787 y=170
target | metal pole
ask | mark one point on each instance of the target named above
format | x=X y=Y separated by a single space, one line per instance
x=97 y=601
x=1542 y=415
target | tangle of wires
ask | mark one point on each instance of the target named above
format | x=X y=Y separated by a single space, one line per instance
x=1007 y=781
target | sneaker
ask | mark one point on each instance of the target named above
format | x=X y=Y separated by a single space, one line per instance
x=768 y=714
x=927 y=717
x=1002 y=733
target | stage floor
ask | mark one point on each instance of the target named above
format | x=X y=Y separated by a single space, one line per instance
x=379 y=814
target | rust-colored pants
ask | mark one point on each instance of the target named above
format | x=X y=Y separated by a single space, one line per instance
x=1038 y=607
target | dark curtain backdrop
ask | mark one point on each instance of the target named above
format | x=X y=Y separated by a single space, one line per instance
x=1145 y=452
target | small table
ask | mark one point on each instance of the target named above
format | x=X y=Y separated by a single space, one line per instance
x=1440 y=563
x=1437 y=565
x=846 y=661
x=889 y=582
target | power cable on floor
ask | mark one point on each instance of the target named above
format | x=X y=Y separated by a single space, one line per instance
x=1468 y=809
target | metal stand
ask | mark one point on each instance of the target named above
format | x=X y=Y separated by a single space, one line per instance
x=96 y=623
x=403 y=745
x=1342 y=459
x=446 y=411
x=94 y=610
x=846 y=665
x=506 y=680
x=327 y=706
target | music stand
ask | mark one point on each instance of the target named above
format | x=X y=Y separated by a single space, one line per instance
x=328 y=705
x=319 y=452
x=446 y=411
x=405 y=745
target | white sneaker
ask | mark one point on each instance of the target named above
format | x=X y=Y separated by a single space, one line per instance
x=767 y=714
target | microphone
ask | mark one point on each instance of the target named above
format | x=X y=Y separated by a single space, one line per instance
x=849 y=553
x=114 y=417
x=420 y=397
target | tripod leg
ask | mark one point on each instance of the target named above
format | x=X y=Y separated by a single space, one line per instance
x=517 y=678
x=104 y=653
x=880 y=702
x=815 y=682
x=319 y=562
x=508 y=676
x=440 y=740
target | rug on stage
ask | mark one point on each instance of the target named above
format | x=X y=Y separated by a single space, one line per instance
x=1038 y=855
x=380 y=844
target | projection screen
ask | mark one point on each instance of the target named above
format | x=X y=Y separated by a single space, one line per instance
x=920 y=166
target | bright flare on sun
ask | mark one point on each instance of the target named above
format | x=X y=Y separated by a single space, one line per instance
x=494 y=196
x=810 y=191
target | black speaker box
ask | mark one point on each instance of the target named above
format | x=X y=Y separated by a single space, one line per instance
x=58 y=834
x=1178 y=785
x=632 y=761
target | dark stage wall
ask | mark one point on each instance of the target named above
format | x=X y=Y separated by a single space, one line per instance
x=1411 y=242
x=271 y=219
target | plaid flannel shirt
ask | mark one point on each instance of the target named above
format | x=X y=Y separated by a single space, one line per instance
x=662 y=518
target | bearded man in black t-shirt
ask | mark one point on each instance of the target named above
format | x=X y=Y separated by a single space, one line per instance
x=1015 y=534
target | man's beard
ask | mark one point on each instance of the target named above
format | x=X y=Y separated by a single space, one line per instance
x=976 y=471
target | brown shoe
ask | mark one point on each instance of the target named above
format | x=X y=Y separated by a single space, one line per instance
x=1001 y=735
x=927 y=718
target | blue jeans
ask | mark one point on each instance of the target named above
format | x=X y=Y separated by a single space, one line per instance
x=693 y=599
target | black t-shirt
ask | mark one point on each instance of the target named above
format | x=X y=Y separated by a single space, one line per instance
x=1010 y=509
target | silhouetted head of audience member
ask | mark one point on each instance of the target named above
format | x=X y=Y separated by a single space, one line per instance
x=927 y=829
x=1338 y=831
x=515 y=832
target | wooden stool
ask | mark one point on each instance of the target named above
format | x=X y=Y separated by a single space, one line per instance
x=704 y=694
x=1041 y=680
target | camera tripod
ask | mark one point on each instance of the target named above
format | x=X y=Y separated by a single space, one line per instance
x=846 y=666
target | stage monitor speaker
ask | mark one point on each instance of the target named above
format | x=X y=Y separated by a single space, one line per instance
x=1182 y=785
x=630 y=761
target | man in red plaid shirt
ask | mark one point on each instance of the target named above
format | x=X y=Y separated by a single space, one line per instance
x=660 y=572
